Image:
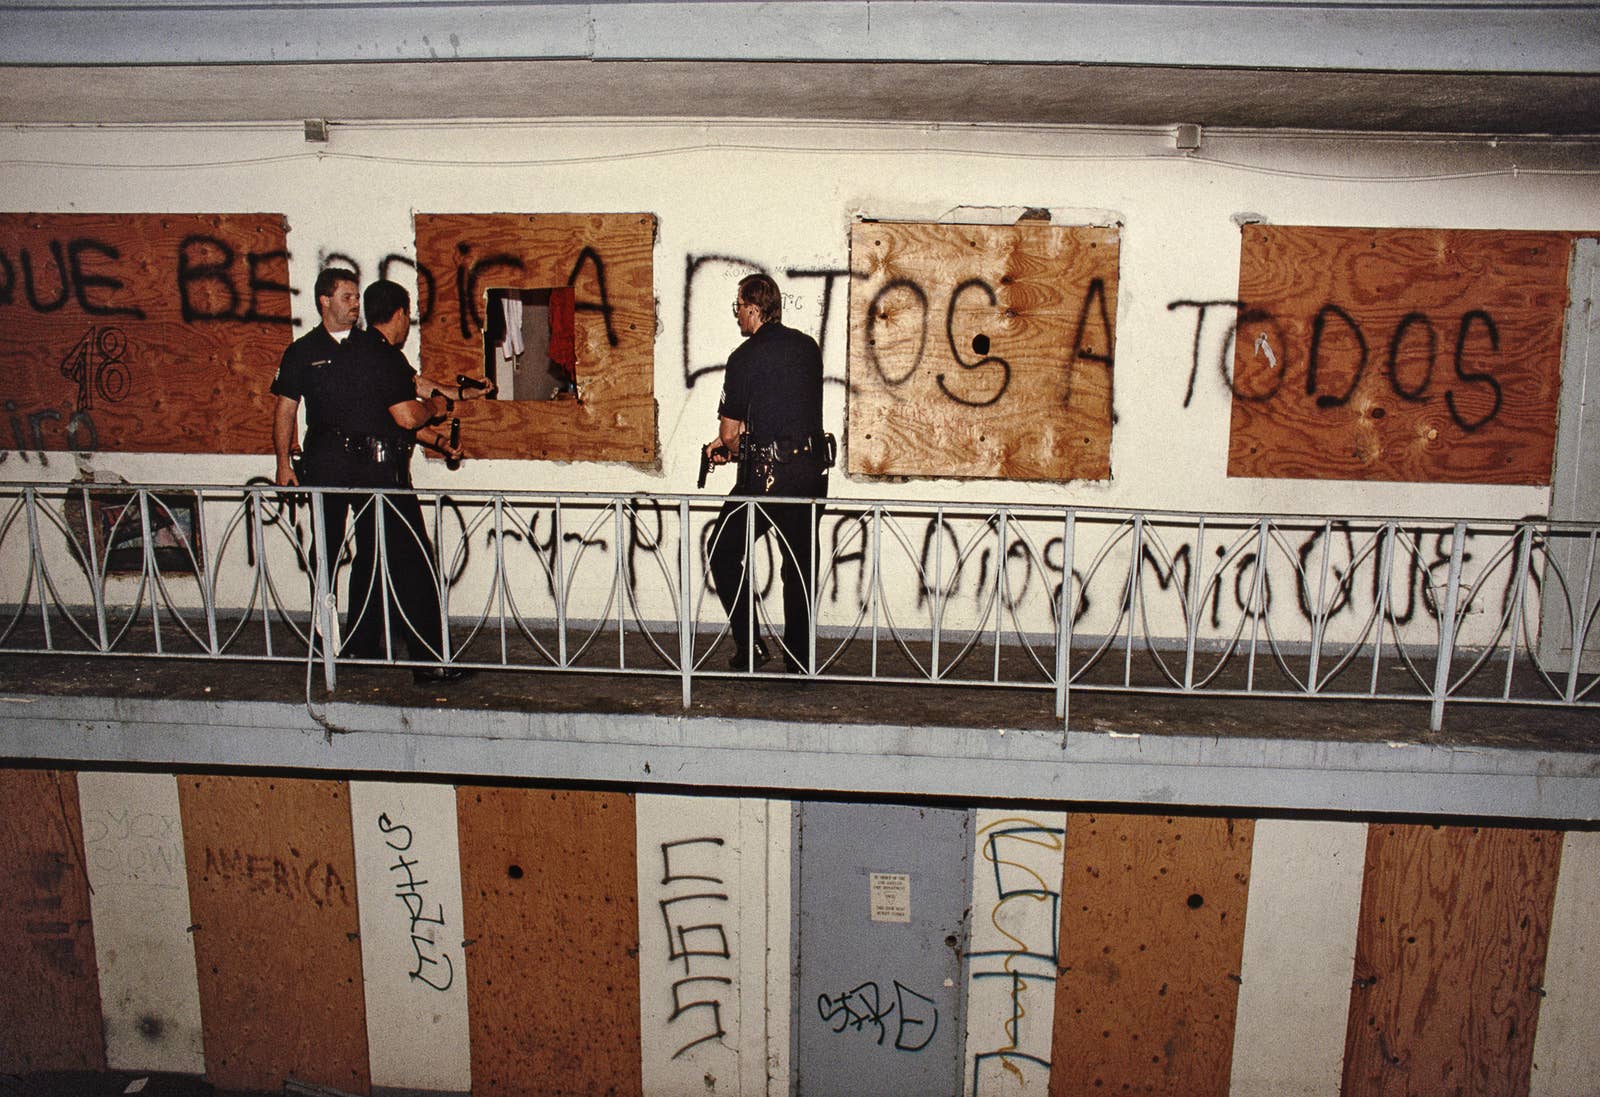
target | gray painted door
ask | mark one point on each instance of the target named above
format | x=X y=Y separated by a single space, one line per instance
x=882 y=893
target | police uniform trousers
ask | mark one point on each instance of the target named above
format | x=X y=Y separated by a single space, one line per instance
x=795 y=528
x=413 y=598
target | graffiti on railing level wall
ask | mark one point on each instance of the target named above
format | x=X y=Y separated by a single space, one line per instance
x=433 y=966
x=77 y=432
x=946 y=568
x=865 y=1008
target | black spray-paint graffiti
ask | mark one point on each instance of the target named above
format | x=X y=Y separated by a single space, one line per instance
x=73 y=280
x=865 y=1005
x=692 y=913
x=719 y=268
x=434 y=968
x=472 y=277
x=1408 y=364
x=984 y=377
x=293 y=877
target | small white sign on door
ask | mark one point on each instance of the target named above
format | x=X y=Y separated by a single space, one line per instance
x=891 y=897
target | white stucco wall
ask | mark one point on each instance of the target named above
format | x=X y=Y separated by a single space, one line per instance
x=785 y=196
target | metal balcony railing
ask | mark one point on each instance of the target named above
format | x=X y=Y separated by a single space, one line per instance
x=1057 y=599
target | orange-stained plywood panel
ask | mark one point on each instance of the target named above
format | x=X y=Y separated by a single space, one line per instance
x=607 y=260
x=272 y=890
x=154 y=333
x=1152 y=931
x=1425 y=355
x=50 y=1012
x=982 y=351
x=549 y=887
x=1449 y=960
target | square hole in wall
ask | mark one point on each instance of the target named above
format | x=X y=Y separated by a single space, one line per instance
x=529 y=345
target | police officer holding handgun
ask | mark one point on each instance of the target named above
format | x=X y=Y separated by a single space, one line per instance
x=363 y=416
x=771 y=424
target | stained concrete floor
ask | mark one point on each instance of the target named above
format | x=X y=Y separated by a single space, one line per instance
x=822 y=700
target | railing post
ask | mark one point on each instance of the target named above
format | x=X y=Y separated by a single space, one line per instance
x=36 y=560
x=151 y=572
x=441 y=583
x=1447 y=628
x=258 y=545
x=685 y=584
x=559 y=519
x=1191 y=632
x=1319 y=619
x=96 y=580
x=1064 y=620
x=324 y=616
x=1131 y=603
x=1385 y=597
x=209 y=584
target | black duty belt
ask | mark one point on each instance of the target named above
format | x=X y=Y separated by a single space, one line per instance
x=378 y=450
x=820 y=447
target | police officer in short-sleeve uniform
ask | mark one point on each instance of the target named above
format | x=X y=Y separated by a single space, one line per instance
x=339 y=306
x=363 y=415
x=772 y=408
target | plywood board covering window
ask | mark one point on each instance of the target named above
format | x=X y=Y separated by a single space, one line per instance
x=150 y=333
x=982 y=351
x=606 y=261
x=1422 y=355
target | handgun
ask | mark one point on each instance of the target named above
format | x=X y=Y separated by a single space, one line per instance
x=705 y=461
x=465 y=382
x=454 y=463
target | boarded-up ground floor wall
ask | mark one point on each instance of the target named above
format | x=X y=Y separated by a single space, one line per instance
x=383 y=936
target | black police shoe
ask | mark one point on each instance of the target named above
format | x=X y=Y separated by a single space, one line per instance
x=742 y=661
x=436 y=676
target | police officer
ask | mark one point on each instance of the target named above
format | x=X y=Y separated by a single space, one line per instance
x=771 y=423
x=338 y=304
x=364 y=413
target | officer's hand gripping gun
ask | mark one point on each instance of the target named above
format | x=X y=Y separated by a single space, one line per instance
x=705 y=460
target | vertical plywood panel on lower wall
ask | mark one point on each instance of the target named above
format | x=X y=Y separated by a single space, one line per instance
x=1566 y=1049
x=1449 y=958
x=50 y=1011
x=133 y=843
x=1299 y=950
x=1011 y=977
x=272 y=887
x=1152 y=931
x=409 y=882
x=550 y=907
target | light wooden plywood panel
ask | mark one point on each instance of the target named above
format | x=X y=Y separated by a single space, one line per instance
x=607 y=260
x=409 y=883
x=1566 y=1050
x=548 y=884
x=1014 y=951
x=50 y=1013
x=133 y=842
x=1299 y=951
x=272 y=887
x=155 y=333
x=982 y=351
x=1426 y=355
x=1152 y=931
x=1450 y=955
